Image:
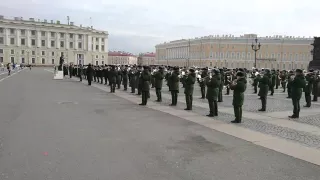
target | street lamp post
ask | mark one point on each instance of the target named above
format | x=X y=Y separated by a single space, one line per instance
x=255 y=47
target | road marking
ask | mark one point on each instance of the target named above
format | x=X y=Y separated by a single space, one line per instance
x=16 y=72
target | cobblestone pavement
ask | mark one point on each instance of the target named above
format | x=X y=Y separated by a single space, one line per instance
x=263 y=127
x=252 y=103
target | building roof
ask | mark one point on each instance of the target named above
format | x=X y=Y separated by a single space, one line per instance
x=148 y=54
x=119 y=53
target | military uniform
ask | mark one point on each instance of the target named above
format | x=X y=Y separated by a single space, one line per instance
x=145 y=85
x=273 y=82
x=220 y=97
x=238 y=96
x=277 y=79
x=158 y=78
x=119 y=78
x=89 y=73
x=132 y=80
x=80 y=72
x=213 y=85
x=264 y=84
x=174 y=86
x=283 y=78
x=188 y=88
x=125 y=79
x=113 y=79
x=315 y=90
x=255 y=83
x=202 y=84
x=290 y=78
x=308 y=88
x=297 y=85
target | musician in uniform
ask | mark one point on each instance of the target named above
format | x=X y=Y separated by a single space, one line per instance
x=174 y=86
x=89 y=73
x=238 y=86
x=297 y=84
x=264 y=84
x=283 y=78
x=152 y=78
x=290 y=78
x=315 y=90
x=158 y=77
x=113 y=79
x=188 y=88
x=145 y=85
x=80 y=72
x=105 y=74
x=277 y=79
x=273 y=81
x=308 y=89
x=213 y=82
x=201 y=82
x=220 y=97
x=133 y=80
x=139 y=80
x=125 y=78
x=119 y=77
x=255 y=83
x=228 y=80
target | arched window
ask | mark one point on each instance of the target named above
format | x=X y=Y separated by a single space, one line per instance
x=243 y=55
x=221 y=55
x=279 y=57
x=284 y=58
x=238 y=55
x=290 y=58
x=232 y=55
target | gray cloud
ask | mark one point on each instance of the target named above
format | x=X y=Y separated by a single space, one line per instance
x=139 y=25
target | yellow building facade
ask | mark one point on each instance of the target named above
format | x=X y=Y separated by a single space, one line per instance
x=279 y=52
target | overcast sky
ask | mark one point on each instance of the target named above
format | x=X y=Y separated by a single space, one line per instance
x=138 y=25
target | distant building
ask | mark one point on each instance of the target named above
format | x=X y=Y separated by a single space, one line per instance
x=279 y=52
x=119 y=57
x=42 y=43
x=148 y=58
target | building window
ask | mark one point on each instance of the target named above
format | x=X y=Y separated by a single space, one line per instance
x=1 y=30
x=102 y=57
x=102 y=47
x=71 y=36
x=80 y=45
x=61 y=35
x=279 y=56
x=12 y=59
x=43 y=43
x=97 y=56
x=53 y=34
x=1 y=59
x=52 y=43
x=97 y=47
x=80 y=36
x=290 y=58
x=12 y=51
x=284 y=56
x=1 y=40
x=33 y=33
x=43 y=61
x=33 y=42
x=22 y=60
x=1 y=51
x=52 y=61
x=12 y=41
x=71 y=45
x=221 y=55
x=23 y=32
x=11 y=31
x=33 y=60
x=297 y=57
x=43 y=53
x=33 y=53
x=62 y=44
x=43 y=33
x=61 y=53
x=23 y=42
x=272 y=56
x=97 y=63
x=22 y=52
x=102 y=62
x=52 y=53
x=102 y=39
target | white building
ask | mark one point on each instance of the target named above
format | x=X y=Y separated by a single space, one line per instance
x=124 y=58
x=42 y=42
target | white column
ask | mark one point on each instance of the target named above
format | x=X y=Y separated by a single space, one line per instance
x=7 y=38
x=94 y=40
x=75 y=43
x=18 y=37
x=89 y=43
x=106 y=45
x=66 y=37
x=100 y=40
x=28 y=38
x=48 y=40
x=57 y=41
x=38 y=39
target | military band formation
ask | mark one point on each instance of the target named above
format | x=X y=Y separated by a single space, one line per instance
x=211 y=81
